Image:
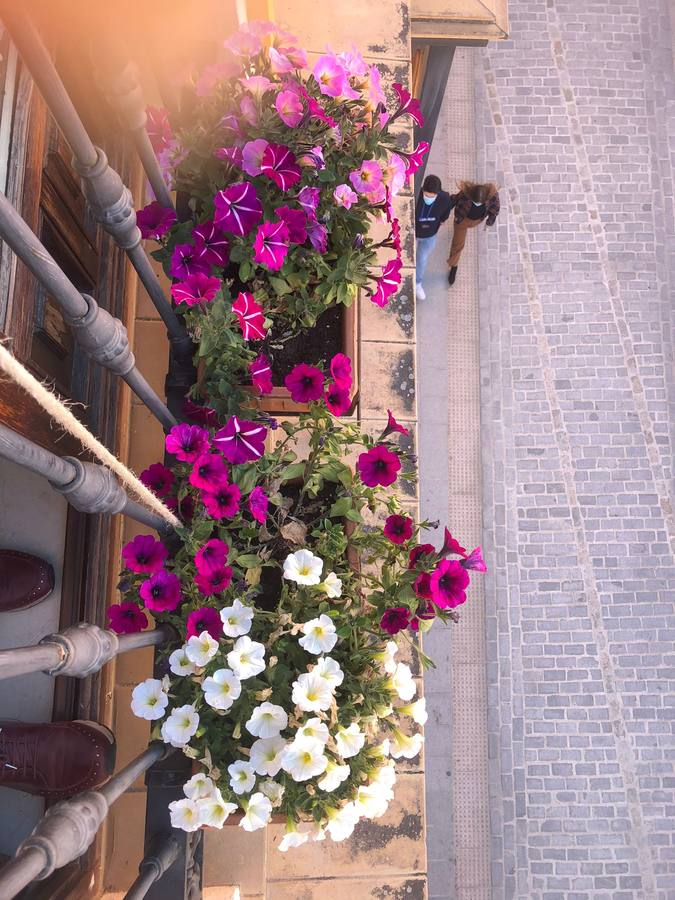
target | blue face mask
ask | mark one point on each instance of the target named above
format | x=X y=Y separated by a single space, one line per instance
x=428 y=200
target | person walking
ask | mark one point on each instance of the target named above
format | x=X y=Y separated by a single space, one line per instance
x=433 y=208
x=473 y=203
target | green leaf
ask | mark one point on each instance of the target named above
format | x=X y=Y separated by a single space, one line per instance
x=248 y=561
x=295 y=470
x=245 y=477
x=340 y=508
x=353 y=515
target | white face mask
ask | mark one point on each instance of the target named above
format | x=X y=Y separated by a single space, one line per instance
x=429 y=198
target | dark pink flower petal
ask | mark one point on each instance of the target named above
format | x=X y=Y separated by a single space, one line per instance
x=261 y=374
x=422 y=586
x=398 y=529
x=395 y=619
x=127 y=618
x=237 y=208
x=251 y=317
x=318 y=235
x=213 y=555
x=415 y=157
x=308 y=198
x=378 y=466
x=144 y=554
x=407 y=105
x=154 y=220
x=337 y=399
x=258 y=504
x=474 y=561
x=279 y=164
x=424 y=613
x=448 y=583
x=202 y=415
x=158 y=128
x=450 y=545
x=187 y=442
x=296 y=222
x=341 y=370
x=161 y=592
x=418 y=552
x=231 y=155
x=270 y=246
x=186 y=261
x=214 y=581
x=388 y=283
x=195 y=289
x=209 y=472
x=158 y=479
x=205 y=619
x=211 y=244
x=222 y=502
x=393 y=425
x=240 y=441
x=305 y=383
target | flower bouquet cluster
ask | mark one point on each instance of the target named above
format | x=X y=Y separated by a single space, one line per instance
x=284 y=584
x=282 y=170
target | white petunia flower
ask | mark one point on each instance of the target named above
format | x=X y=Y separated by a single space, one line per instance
x=320 y=635
x=258 y=812
x=312 y=693
x=341 y=822
x=185 y=814
x=317 y=833
x=267 y=720
x=314 y=729
x=180 y=663
x=418 y=710
x=247 y=658
x=303 y=567
x=242 y=776
x=383 y=712
x=200 y=649
x=349 y=740
x=331 y=586
x=304 y=759
x=330 y=670
x=403 y=683
x=236 y=619
x=198 y=787
x=372 y=801
x=293 y=838
x=266 y=755
x=273 y=790
x=180 y=726
x=214 y=810
x=380 y=750
x=385 y=776
x=335 y=775
x=148 y=700
x=221 y=689
x=388 y=657
x=404 y=746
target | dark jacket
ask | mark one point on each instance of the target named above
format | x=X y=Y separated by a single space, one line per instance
x=462 y=204
x=430 y=217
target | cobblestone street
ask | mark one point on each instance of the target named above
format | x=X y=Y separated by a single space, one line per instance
x=575 y=120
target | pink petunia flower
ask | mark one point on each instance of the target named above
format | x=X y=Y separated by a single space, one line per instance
x=398 y=529
x=270 y=247
x=243 y=43
x=290 y=108
x=367 y=178
x=232 y=156
x=418 y=552
x=353 y=63
x=209 y=472
x=337 y=399
x=345 y=196
x=251 y=317
x=450 y=545
x=394 y=174
x=393 y=426
x=222 y=502
x=415 y=157
x=241 y=441
x=261 y=374
x=256 y=85
x=187 y=442
x=202 y=415
x=280 y=64
x=395 y=619
x=144 y=554
x=154 y=220
x=407 y=105
x=158 y=479
x=296 y=222
x=249 y=110
x=186 y=261
x=231 y=123
x=251 y=156
x=214 y=581
x=474 y=561
x=341 y=370
x=422 y=586
x=378 y=466
x=305 y=383
x=158 y=128
x=195 y=289
x=308 y=198
x=318 y=235
x=213 y=555
x=313 y=158
x=258 y=504
x=212 y=75
x=330 y=75
x=127 y=618
x=448 y=583
x=279 y=164
x=211 y=243
x=237 y=208
x=161 y=592
x=204 y=619
x=388 y=283
x=374 y=93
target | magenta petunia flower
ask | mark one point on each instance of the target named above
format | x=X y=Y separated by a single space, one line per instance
x=308 y=198
x=341 y=370
x=256 y=85
x=261 y=374
x=241 y=441
x=388 y=283
x=212 y=75
x=243 y=43
x=195 y=289
x=398 y=529
x=318 y=235
x=187 y=442
x=230 y=155
x=422 y=586
x=296 y=222
x=211 y=243
x=474 y=561
x=237 y=208
x=424 y=612
x=186 y=261
x=222 y=502
x=279 y=164
x=127 y=618
x=313 y=158
x=258 y=504
x=251 y=317
x=393 y=426
x=330 y=75
x=407 y=105
x=214 y=581
x=231 y=123
x=416 y=157
x=213 y=555
x=209 y=472
x=144 y=554
x=418 y=552
x=204 y=619
x=395 y=236
x=154 y=220
x=161 y=592
x=367 y=178
x=337 y=399
x=305 y=383
x=202 y=415
x=448 y=582
x=450 y=545
x=270 y=247
x=280 y=64
x=251 y=156
x=345 y=196
x=158 y=479
x=395 y=619
x=249 y=110
x=158 y=128
x=290 y=108
x=378 y=466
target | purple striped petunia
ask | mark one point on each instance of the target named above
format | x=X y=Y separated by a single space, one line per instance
x=240 y=441
x=261 y=374
x=388 y=283
x=278 y=163
x=251 y=317
x=237 y=208
x=270 y=247
x=211 y=244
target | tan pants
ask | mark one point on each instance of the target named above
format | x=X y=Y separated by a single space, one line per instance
x=459 y=238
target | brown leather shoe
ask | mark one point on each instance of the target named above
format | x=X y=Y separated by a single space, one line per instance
x=57 y=759
x=24 y=580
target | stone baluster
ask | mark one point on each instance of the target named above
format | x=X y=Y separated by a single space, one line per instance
x=162 y=853
x=87 y=486
x=69 y=827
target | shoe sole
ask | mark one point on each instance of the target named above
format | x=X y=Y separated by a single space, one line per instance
x=110 y=756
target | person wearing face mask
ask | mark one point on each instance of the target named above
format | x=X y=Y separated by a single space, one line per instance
x=473 y=203
x=433 y=208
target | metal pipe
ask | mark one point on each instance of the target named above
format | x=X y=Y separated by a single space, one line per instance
x=123 y=780
x=157 y=407
x=22 y=660
x=151 y=167
x=16 y=874
x=162 y=853
x=18 y=449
